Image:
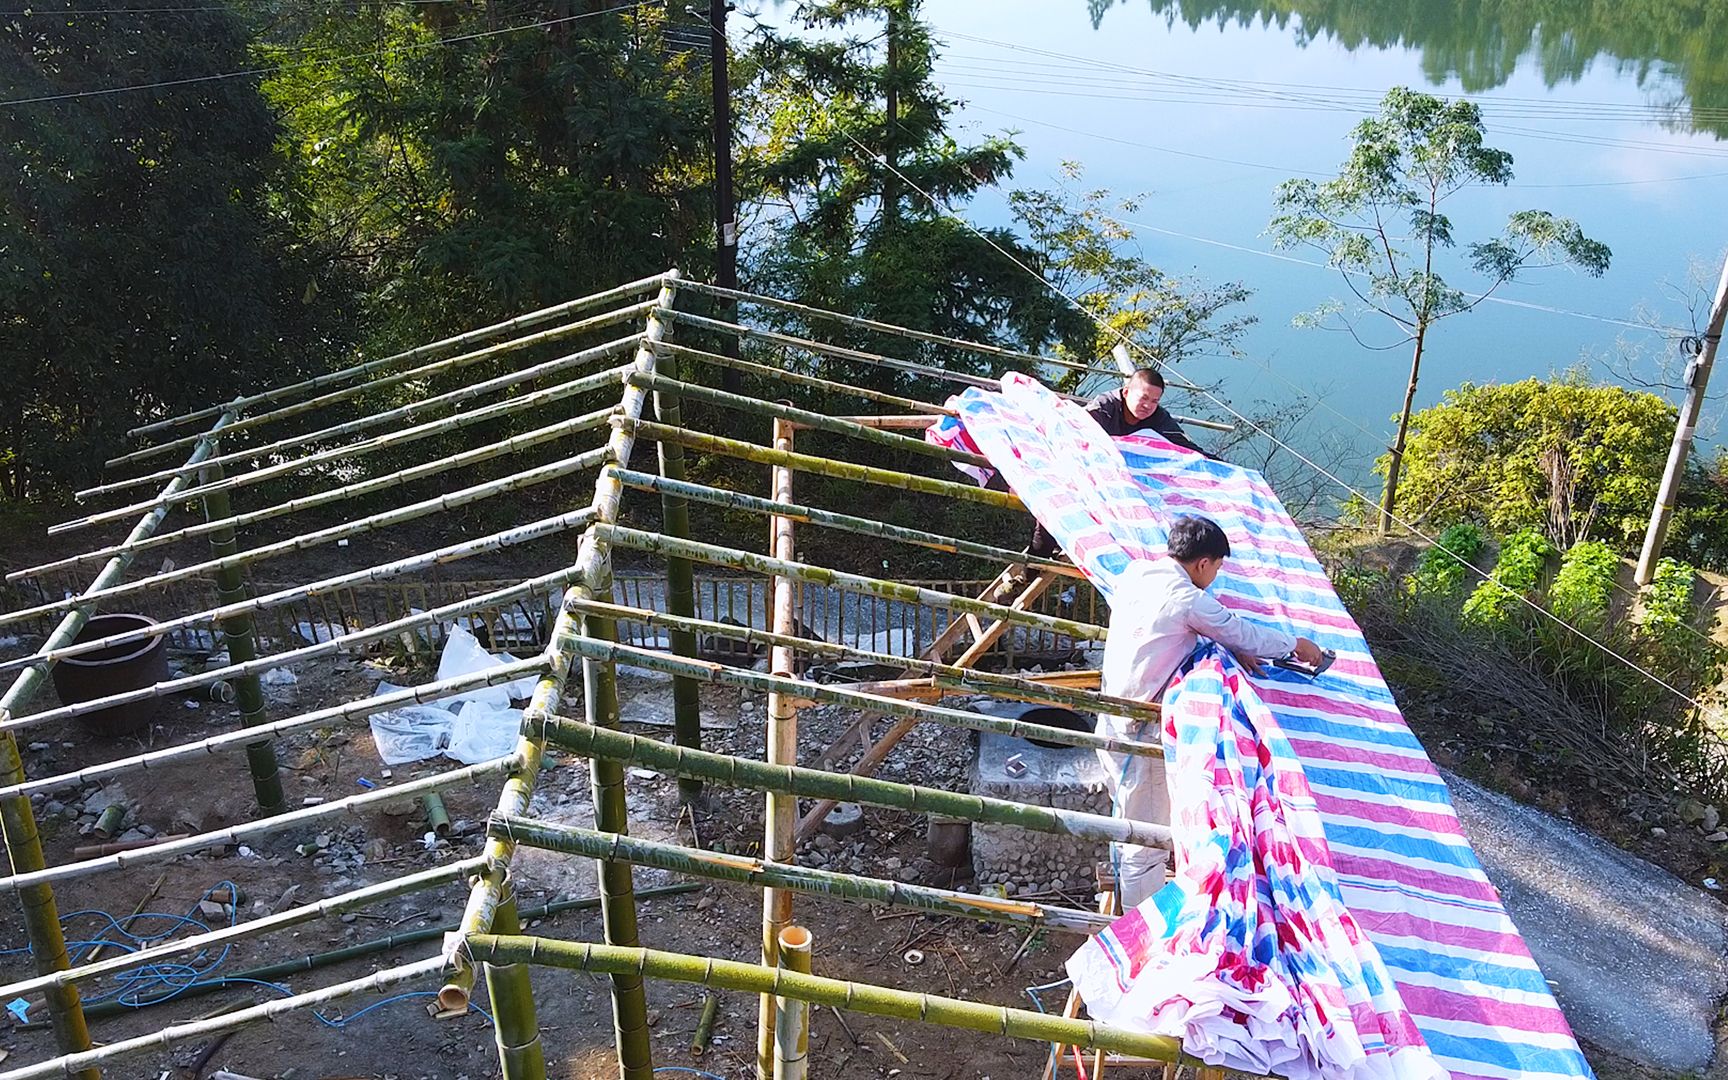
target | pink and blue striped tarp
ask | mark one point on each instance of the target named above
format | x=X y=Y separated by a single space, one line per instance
x=1400 y=863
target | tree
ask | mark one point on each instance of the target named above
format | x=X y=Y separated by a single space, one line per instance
x=1562 y=456
x=144 y=269
x=1381 y=225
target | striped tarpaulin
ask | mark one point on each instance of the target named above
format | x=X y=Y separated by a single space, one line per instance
x=1400 y=861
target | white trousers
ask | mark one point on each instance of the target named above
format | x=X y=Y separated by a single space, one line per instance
x=1139 y=791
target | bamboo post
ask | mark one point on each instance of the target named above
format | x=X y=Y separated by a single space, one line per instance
x=240 y=635
x=521 y=1056
x=18 y=820
x=791 y=1014
x=680 y=576
x=781 y=816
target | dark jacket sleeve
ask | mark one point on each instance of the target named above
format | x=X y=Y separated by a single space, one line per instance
x=1166 y=425
x=1107 y=409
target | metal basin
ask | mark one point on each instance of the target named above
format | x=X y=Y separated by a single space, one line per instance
x=113 y=670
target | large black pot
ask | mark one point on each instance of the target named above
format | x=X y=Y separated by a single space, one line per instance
x=113 y=670
x=1053 y=716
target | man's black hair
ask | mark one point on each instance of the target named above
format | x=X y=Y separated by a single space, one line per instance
x=1147 y=374
x=1197 y=538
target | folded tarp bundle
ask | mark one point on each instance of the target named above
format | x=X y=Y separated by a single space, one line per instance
x=1327 y=916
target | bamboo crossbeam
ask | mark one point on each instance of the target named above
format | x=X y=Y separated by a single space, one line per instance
x=801 y=689
x=520 y=481
x=737 y=500
x=798 y=378
x=521 y=534
x=419 y=352
x=1050 y=689
x=232 y=740
x=821 y=466
x=388 y=441
x=806 y=418
x=352 y=900
x=820 y=575
x=424 y=371
x=720 y=866
x=387 y=482
x=18 y=819
x=237 y=834
x=195 y=1030
x=585 y=740
x=387 y=417
x=836 y=993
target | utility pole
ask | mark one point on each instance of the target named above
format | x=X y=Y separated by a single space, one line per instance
x=725 y=209
x=1697 y=378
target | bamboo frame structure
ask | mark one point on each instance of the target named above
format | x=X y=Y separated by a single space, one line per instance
x=420 y=436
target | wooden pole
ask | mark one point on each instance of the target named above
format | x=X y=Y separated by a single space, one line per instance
x=781 y=816
x=680 y=574
x=1697 y=379
x=240 y=635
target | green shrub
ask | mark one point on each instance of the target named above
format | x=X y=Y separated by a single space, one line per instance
x=1440 y=573
x=1584 y=587
x=1523 y=557
x=1668 y=602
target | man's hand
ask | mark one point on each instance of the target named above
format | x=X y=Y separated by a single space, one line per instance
x=1250 y=663
x=1308 y=652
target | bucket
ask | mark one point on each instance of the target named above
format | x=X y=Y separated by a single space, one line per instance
x=113 y=670
x=1051 y=716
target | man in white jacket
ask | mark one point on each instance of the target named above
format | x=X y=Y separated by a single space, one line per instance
x=1158 y=614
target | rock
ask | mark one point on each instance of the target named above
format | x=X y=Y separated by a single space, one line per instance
x=1691 y=812
x=210 y=909
x=1658 y=832
x=349 y=916
x=1712 y=818
x=130 y=835
x=104 y=798
x=377 y=849
x=53 y=807
x=1718 y=837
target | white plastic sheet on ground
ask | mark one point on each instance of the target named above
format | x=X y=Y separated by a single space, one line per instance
x=471 y=727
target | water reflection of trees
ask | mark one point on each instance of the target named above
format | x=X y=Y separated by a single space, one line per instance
x=1676 y=48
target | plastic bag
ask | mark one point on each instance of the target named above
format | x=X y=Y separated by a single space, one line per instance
x=411 y=733
x=481 y=733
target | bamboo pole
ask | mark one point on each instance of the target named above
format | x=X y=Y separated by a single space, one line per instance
x=230 y=562
x=353 y=900
x=379 y=981
x=840 y=470
x=423 y=372
x=587 y=741
x=953 y=678
x=835 y=993
x=798 y=378
x=387 y=482
x=806 y=418
x=780 y=817
x=801 y=691
x=390 y=440
x=737 y=500
x=236 y=834
x=888 y=590
x=521 y=1056
x=680 y=575
x=720 y=866
x=18 y=820
x=522 y=534
x=240 y=635
x=791 y=1014
x=459 y=341
x=388 y=417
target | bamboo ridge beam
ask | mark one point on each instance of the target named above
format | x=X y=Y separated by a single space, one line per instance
x=798 y=378
x=805 y=418
x=354 y=899
x=459 y=341
x=389 y=416
x=240 y=833
x=889 y=590
x=390 y=440
x=587 y=741
x=737 y=500
x=520 y=481
x=522 y=534
x=387 y=482
x=718 y=866
x=841 y=470
x=557 y=333
x=955 y=679
x=232 y=740
x=801 y=689
x=835 y=993
x=377 y=982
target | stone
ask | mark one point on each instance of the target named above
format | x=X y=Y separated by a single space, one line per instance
x=1718 y=837
x=1712 y=818
x=1691 y=811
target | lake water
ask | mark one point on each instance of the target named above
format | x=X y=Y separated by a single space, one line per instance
x=1614 y=113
